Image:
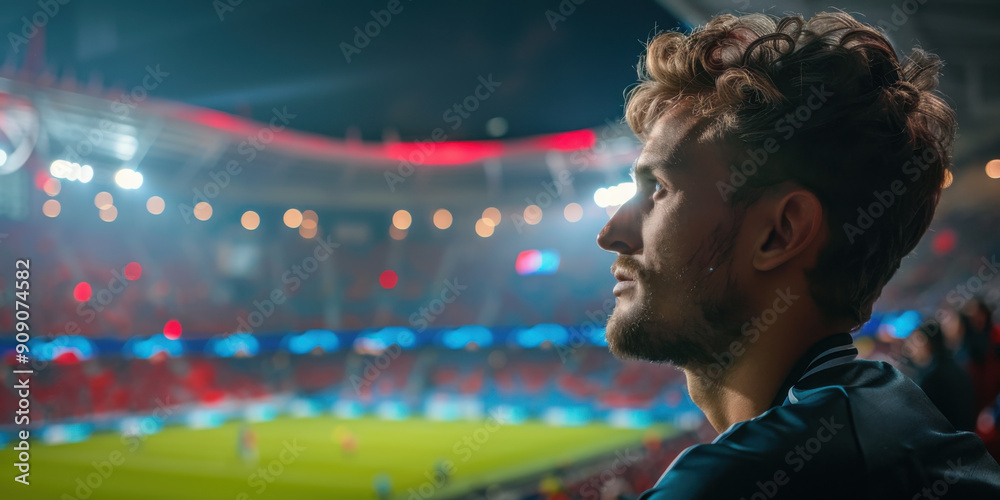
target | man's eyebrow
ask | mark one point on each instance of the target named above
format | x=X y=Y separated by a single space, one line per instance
x=645 y=168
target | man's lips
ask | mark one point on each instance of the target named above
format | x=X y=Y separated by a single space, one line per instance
x=625 y=282
x=622 y=286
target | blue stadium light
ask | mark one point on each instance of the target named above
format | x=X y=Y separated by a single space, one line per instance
x=238 y=344
x=902 y=324
x=538 y=334
x=630 y=418
x=307 y=341
x=67 y=344
x=460 y=337
x=381 y=340
x=596 y=336
x=145 y=349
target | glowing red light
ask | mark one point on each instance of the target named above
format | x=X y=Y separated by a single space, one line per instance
x=133 y=271
x=41 y=177
x=172 y=330
x=444 y=153
x=944 y=242
x=82 y=291
x=566 y=141
x=388 y=279
x=528 y=262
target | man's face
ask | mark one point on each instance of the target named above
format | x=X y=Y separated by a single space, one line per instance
x=677 y=297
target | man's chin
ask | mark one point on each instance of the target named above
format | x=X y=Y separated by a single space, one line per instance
x=659 y=341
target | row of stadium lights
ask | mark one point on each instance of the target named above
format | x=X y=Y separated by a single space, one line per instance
x=608 y=198
x=307 y=222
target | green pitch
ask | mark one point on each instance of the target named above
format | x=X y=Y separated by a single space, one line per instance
x=302 y=459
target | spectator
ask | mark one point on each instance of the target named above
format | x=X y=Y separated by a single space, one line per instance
x=937 y=373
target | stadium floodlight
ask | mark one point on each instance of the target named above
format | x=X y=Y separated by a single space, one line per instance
x=126 y=147
x=614 y=196
x=128 y=178
x=63 y=169
x=86 y=174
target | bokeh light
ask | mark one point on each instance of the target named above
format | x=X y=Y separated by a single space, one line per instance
x=309 y=231
x=573 y=212
x=108 y=214
x=993 y=169
x=203 y=211
x=397 y=233
x=82 y=291
x=103 y=200
x=532 y=214
x=491 y=216
x=292 y=218
x=944 y=241
x=250 y=220
x=133 y=271
x=51 y=208
x=155 y=205
x=484 y=228
x=948 y=179
x=172 y=330
x=442 y=219
x=388 y=279
x=310 y=219
x=402 y=219
x=52 y=187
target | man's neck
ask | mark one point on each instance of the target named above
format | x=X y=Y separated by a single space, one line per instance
x=748 y=388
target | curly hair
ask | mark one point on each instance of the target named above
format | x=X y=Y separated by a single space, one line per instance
x=875 y=147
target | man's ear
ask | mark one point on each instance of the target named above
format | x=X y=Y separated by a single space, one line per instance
x=791 y=224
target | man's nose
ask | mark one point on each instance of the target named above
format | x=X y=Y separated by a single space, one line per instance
x=623 y=233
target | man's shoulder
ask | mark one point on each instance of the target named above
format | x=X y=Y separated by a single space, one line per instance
x=860 y=429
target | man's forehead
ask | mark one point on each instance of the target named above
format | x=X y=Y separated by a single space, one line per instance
x=675 y=128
